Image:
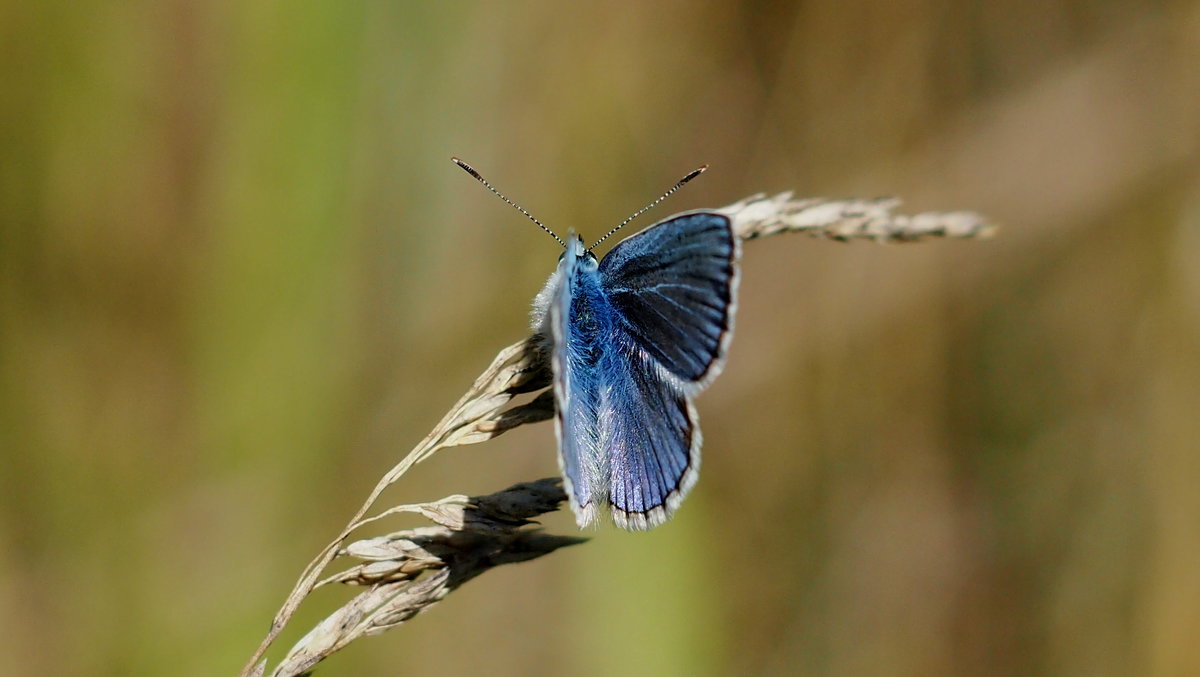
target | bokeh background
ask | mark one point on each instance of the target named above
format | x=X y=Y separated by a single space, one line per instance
x=239 y=279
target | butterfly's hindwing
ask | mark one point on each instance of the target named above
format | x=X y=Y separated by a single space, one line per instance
x=649 y=436
x=673 y=287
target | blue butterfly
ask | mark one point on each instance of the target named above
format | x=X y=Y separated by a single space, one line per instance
x=632 y=339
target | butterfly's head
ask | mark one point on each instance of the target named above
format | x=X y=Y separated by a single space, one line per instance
x=577 y=248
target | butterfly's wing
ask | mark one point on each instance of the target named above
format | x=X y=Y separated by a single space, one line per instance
x=672 y=288
x=576 y=388
x=649 y=436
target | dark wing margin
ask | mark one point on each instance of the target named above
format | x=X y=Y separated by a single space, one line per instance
x=651 y=439
x=674 y=286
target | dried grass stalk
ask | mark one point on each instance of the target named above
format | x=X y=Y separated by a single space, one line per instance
x=409 y=571
x=843 y=220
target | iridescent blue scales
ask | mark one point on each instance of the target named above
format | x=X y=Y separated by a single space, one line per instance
x=633 y=338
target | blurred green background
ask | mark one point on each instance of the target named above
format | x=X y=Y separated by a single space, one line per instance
x=239 y=279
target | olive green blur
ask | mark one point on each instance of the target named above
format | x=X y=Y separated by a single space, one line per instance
x=240 y=278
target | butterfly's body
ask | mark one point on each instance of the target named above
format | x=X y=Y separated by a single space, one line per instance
x=632 y=339
x=584 y=357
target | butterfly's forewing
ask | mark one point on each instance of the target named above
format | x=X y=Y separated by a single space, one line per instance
x=673 y=287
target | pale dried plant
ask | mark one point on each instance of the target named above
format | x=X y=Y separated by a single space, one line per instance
x=406 y=572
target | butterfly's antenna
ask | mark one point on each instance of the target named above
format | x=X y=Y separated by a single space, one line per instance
x=693 y=174
x=471 y=170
